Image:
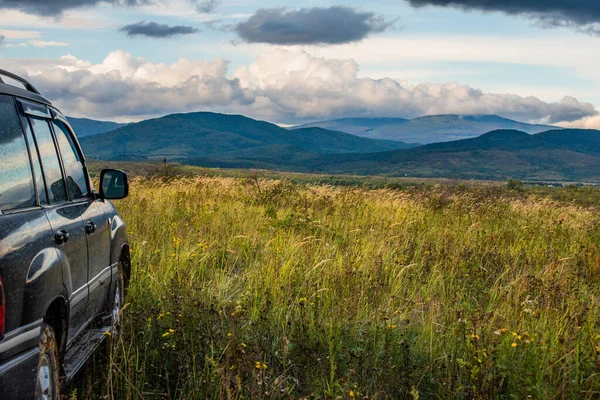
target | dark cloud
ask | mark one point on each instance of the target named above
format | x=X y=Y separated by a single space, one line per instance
x=156 y=30
x=332 y=25
x=206 y=6
x=576 y=14
x=57 y=7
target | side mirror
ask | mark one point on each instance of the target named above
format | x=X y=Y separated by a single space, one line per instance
x=113 y=184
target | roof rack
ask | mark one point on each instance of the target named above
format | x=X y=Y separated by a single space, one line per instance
x=26 y=83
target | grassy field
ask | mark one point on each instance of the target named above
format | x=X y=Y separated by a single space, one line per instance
x=262 y=288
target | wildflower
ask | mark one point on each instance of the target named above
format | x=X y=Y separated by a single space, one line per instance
x=171 y=331
x=392 y=327
x=352 y=393
x=229 y=334
x=514 y=344
x=243 y=344
x=107 y=333
x=166 y=334
x=474 y=336
x=261 y=365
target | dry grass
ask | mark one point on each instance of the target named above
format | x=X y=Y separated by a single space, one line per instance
x=249 y=288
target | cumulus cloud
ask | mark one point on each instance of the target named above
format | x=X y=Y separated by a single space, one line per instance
x=282 y=86
x=332 y=25
x=592 y=122
x=581 y=15
x=57 y=7
x=156 y=30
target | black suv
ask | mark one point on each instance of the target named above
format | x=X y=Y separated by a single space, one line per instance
x=64 y=252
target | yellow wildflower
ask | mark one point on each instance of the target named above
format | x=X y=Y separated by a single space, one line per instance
x=514 y=344
x=352 y=393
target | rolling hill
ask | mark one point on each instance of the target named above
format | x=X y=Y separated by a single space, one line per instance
x=559 y=155
x=428 y=129
x=87 y=127
x=211 y=137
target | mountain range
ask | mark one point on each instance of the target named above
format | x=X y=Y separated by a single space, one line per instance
x=555 y=155
x=209 y=136
x=428 y=129
x=87 y=127
x=235 y=141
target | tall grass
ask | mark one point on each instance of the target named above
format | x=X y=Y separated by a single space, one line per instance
x=249 y=288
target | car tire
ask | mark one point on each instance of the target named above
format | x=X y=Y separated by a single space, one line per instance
x=47 y=386
x=116 y=302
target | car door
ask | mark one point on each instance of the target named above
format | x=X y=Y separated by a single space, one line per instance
x=25 y=235
x=96 y=222
x=65 y=217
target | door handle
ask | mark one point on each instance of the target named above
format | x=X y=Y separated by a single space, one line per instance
x=61 y=236
x=90 y=228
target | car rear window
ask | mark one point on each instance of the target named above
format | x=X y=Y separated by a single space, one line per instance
x=16 y=180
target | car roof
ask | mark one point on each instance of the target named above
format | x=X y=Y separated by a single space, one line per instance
x=27 y=92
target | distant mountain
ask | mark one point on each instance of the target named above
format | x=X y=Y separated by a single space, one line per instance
x=209 y=138
x=87 y=127
x=569 y=155
x=429 y=129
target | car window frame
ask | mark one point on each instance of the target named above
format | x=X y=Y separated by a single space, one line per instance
x=58 y=116
x=37 y=205
x=31 y=109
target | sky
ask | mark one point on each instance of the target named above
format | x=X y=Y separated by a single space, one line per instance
x=293 y=62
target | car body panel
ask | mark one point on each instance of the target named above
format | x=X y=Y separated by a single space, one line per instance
x=99 y=256
x=73 y=255
x=27 y=257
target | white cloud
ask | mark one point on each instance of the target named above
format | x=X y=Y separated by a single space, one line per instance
x=592 y=122
x=44 y=43
x=19 y=34
x=17 y=45
x=284 y=86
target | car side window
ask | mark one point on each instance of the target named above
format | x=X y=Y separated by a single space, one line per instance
x=72 y=162
x=16 y=179
x=35 y=160
x=50 y=163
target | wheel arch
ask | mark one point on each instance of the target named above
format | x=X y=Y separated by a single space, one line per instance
x=57 y=316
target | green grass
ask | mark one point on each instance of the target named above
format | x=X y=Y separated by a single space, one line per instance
x=247 y=287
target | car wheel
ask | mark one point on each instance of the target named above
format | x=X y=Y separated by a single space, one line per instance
x=47 y=378
x=117 y=301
